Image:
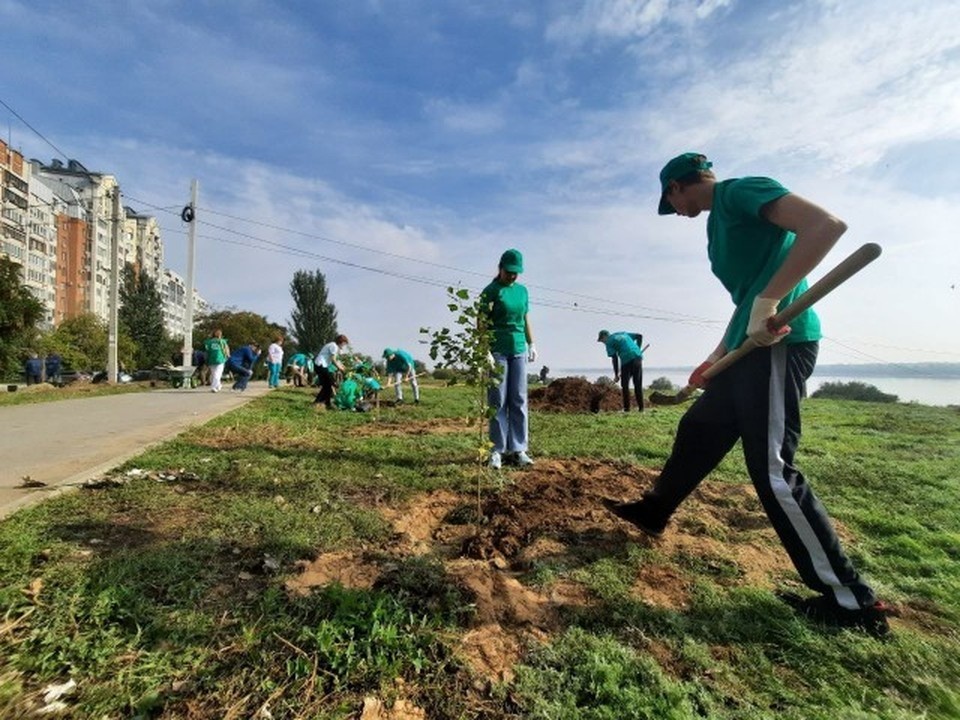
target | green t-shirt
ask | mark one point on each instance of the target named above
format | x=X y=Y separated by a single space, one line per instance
x=216 y=350
x=623 y=346
x=745 y=251
x=347 y=394
x=301 y=360
x=506 y=307
x=401 y=362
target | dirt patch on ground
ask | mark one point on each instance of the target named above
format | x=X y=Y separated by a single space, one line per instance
x=349 y=569
x=576 y=395
x=552 y=515
x=438 y=426
x=376 y=709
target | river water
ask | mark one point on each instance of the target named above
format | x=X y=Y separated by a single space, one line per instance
x=923 y=390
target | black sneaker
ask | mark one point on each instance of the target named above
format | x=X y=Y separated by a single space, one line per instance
x=871 y=619
x=637 y=515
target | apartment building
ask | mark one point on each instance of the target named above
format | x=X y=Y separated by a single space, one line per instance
x=40 y=266
x=144 y=233
x=94 y=193
x=56 y=222
x=14 y=207
x=173 y=289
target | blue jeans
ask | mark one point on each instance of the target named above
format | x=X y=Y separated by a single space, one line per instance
x=241 y=376
x=508 y=428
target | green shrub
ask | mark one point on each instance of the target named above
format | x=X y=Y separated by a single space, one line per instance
x=853 y=391
x=447 y=374
x=663 y=384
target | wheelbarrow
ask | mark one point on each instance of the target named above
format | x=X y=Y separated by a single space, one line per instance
x=183 y=376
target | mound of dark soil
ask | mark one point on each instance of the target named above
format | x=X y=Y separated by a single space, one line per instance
x=575 y=394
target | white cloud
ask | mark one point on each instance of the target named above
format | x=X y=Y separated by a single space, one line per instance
x=609 y=19
x=468 y=118
x=560 y=160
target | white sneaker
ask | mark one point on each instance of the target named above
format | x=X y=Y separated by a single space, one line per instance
x=522 y=459
x=495 y=460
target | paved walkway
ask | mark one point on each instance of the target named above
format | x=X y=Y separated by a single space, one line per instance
x=64 y=443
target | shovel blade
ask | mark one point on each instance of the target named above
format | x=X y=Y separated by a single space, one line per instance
x=659 y=398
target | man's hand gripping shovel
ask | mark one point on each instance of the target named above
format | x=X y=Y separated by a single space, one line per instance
x=849 y=267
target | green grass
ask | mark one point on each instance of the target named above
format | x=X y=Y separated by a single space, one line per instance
x=48 y=393
x=154 y=596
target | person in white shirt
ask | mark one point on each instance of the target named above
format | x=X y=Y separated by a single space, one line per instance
x=326 y=364
x=275 y=361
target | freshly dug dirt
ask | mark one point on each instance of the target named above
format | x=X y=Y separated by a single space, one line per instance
x=552 y=515
x=575 y=395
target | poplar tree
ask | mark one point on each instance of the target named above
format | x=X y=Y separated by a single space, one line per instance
x=141 y=317
x=314 y=318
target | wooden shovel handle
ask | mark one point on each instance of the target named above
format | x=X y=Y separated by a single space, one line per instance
x=854 y=263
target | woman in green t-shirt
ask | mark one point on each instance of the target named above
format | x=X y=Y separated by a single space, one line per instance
x=218 y=350
x=506 y=306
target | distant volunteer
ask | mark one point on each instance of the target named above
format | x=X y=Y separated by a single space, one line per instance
x=274 y=362
x=241 y=364
x=299 y=369
x=326 y=365
x=400 y=364
x=624 y=349
x=218 y=350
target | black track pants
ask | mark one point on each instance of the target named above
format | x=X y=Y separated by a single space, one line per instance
x=757 y=400
x=632 y=370
x=325 y=395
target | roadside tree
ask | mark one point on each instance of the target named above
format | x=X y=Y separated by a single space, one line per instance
x=314 y=318
x=82 y=343
x=239 y=328
x=141 y=316
x=20 y=312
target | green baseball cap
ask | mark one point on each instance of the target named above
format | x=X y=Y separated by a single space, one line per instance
x=677 y=168
x=387 y=352
x=512 y=261
x=604 y=334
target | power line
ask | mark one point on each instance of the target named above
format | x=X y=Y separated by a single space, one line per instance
x=285 y=249
x=664 y=315
x=34 y=130
x=552 y=304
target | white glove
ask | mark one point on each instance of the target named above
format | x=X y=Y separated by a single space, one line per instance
x=532 y=353
x=758 y=329
x=491 y=360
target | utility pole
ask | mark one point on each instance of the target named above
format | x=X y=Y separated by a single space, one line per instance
x=189 y=215
x=114 y=304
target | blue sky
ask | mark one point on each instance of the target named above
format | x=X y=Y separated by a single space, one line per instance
x=400 y=146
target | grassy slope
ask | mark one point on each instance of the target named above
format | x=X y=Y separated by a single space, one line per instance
x=152 y=595
x=28 y=395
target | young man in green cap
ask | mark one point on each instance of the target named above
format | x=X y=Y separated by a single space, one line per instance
x=400 y=364
x=762 y=242
x=627 y=363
